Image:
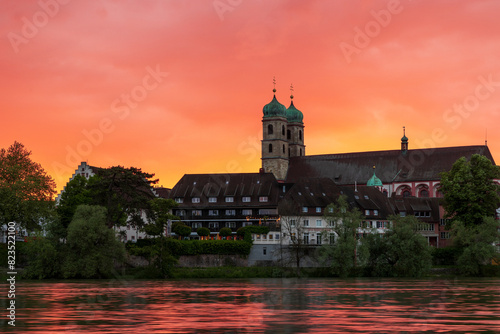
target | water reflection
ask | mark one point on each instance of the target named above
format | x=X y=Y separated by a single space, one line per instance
x=259 y=306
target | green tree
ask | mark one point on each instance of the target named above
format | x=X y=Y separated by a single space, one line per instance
x=75 y=193
x=125 y=193
x=476 y=243
x=161 y=215
x=181 y=229
x=203 y=232
x=42 y=257
x=26 y=191
x=225 y=232
x=470 y=194
x=400 y=252
x=92 y=247
x=346 y=253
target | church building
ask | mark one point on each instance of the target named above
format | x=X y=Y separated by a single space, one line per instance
x=402 y=172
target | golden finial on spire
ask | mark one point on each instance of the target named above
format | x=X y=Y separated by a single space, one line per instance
x=274 y=84
x=291 y=91
x=404 y=131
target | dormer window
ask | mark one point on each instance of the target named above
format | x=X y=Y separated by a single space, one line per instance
x=195 y=200
x=179 y=200
x=229 y=199
x=212 y=200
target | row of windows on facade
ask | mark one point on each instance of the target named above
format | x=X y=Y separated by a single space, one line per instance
x=331 y=223
x=423 y=192
x=417 y=214
x=227 y=199
x=215 y=225
x=306 y=238
x=363 y=224
x=305 y=209
x=284 y=150
x=270 y=131
x=228 y=212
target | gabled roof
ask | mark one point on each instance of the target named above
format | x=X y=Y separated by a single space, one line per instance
x=220 y=186
x=392 y=166
x=410 y=205
x=162 y=192
x=314 y=192
x=369 y=198
x=320 y=192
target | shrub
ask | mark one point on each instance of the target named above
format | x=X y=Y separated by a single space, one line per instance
x=225 y=232
x=203 y=232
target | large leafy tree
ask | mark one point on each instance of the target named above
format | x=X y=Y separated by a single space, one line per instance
x=476 y=243
x=470 y=194
x=26 y=191
x=75 y=193
x=401 y=251
x=125 y=193
x=346 y=253
x=92 y=247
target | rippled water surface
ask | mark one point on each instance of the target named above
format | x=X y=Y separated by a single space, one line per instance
x=258 y=306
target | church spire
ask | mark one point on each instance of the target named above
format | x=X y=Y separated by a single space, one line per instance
x=404 y=142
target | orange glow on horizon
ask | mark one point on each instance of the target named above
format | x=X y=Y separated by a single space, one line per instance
x=177 y=88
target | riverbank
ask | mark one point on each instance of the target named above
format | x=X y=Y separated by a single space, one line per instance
x=265 y=272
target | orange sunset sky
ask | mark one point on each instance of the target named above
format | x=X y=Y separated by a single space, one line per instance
x=177 y=87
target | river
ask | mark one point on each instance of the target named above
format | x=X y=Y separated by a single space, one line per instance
x=258 y=306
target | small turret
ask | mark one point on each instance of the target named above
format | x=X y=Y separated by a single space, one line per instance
x=404 y=142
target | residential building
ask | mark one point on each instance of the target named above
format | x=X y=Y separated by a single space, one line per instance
x=235 y=200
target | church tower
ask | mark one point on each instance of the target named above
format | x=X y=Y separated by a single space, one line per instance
x=295 y=131
x=274 y=143
x=404 y=142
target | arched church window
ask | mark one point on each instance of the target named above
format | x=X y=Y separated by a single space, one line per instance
x=283 y=130
x=424 y=193
x=270 y=129
x=288 y=134
x=300 y=152
x=406 y=193
x=270 y=148
x=300 y=134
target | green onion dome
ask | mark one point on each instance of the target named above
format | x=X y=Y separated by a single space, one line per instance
x=274 y=109
x=294 y=115
x=374 y=181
